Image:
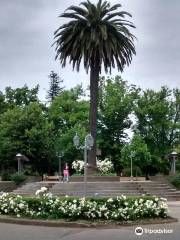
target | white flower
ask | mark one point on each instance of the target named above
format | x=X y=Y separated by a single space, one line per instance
x=78 y=165
x=43 y=189
x=21 y=205
x=38 y=192
x=104 y=166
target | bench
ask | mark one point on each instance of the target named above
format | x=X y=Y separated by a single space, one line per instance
x=127 y=179
x=51 y=178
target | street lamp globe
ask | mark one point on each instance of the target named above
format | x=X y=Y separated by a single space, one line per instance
x=174 y=153
x=89 y=141
x=76 y=140
x=173 y=158
x=18 y=155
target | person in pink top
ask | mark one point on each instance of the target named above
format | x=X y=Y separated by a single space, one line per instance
x=66 y=173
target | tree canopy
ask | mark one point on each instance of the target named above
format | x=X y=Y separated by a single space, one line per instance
x=39 y=132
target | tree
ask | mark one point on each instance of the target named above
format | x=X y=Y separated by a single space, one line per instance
x=158 y=122
x=26 y=130
x=99 y=35
x=21 y=96
x=68 y=109
x=116 y=102
x=55 y=87
x=138 y=150
x=3 y=104
x=69 y=114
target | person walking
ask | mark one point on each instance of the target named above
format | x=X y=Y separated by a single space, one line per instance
x=66 y=173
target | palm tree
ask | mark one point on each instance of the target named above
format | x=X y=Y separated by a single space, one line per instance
x=98 y=35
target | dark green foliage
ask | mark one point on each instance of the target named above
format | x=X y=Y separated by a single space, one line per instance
x=55 y=87
x=18 y=178
x=175 y=180
x=95 y=33
x=26 y=130
x=3 y=104
x=158 y=122
x=136 y=171
x=140 y=154
x=116 y=102
x=5 y=176
x=69 y=114
x=21 y=96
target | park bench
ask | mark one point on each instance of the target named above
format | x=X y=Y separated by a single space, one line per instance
x=51 y=178
x=124 y=179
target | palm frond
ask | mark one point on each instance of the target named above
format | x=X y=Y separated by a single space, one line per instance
x=78 y=10
x=95 y=32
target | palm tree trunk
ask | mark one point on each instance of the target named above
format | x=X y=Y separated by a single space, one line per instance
x=94 y=80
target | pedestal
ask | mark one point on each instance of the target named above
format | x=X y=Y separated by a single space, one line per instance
x=91 y=170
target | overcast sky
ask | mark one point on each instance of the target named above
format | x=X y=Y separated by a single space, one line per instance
x=26 y=36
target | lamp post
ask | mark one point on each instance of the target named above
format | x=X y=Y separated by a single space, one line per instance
x=131 y=156
x=19 y=157
x=88 y=144
x=173 y=157
x=60 y=155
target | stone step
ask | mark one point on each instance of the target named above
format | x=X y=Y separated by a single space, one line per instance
x=96 y=187
x=102 y=188
x=103 y=194
x=95 y=178
x=160 y=189
x=7 y=186
x=100 y=191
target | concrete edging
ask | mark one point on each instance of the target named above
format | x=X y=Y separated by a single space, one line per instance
x=71 y=224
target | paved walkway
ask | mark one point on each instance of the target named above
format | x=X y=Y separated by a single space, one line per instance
x=21 y=232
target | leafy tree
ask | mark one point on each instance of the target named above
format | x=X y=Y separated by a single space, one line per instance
x=158 y=120
x=68 y=109
x=69 y=114
x=21 y=96
x=138 y=150
x=3 y=104
x=115 y=108
x=55 y=87
x=99 y=35
x=26 y=130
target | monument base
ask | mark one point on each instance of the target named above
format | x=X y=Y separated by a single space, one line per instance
x=91 y=170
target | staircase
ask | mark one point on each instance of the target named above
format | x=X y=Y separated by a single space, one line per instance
x=103 y=189
x=159 y=185
x=31 y=188
x=160 y=188
x=7 y=186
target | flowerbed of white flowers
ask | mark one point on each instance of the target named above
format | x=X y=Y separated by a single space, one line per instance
x=104 y=166
x=45 y=206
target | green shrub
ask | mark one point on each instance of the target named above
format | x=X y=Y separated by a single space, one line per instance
x=136 y=172
x=175 y=180
x=105 y=174
x=114 y=209
x=18 y=178
x=5 y=176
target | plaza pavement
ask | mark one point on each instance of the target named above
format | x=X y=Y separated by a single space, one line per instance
x=22 y=232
